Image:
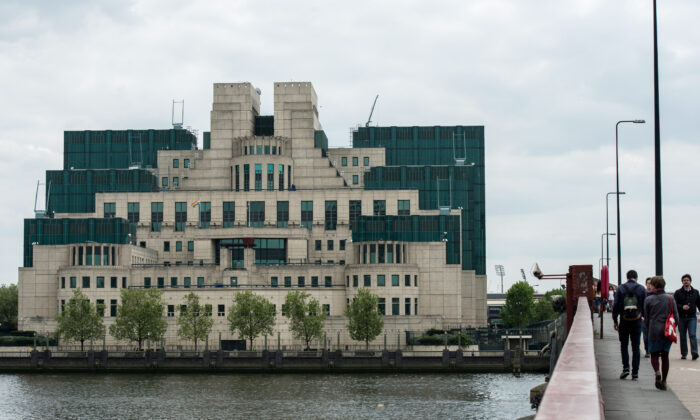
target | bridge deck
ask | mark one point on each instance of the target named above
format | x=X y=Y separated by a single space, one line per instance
x=627 y=399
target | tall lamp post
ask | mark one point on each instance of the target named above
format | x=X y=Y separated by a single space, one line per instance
x=606 y=259
x=617 y=196
x=607 y=229
x=657 y=159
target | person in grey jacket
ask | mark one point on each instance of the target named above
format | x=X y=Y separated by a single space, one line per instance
x=657 y=306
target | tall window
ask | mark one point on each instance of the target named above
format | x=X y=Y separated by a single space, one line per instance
x=367 y=280
x=132 y=212
x=178 y=246
x=281 y=177
x=180 y=216
x=394 y=279
x=381 y=280
x=258 y=177
x=113 y=282
x=200 y=282
x=110 y=210
x=382 y=306
x=282 y=214
x=380 y=207
x=287 y=281
x=156 y=216
x=229 y=213
x=164 y=181
x=100 y=282
x=331 y=215
x=328 y=281
x=161 y=282
x=246 y=177
x=355 y=212
x=301 y=281
x=270 y=176
x=204 y=214
x=355 y=160
x=176 y=163
x=404 y=207
x=100 y=306
x=314 y=281
x=256 y=213
x=307 y=214
x=365 y=161
x=407 y=306
x=343 y=161
x=186 y=163
x=238 y=177
x=355 y=180
x=355 y=280
x=190 y=245
x=395 y=306
x=113 y=307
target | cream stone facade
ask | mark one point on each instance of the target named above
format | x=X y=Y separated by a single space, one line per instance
x=282 y=189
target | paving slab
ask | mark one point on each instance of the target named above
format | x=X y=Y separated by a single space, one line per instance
x=628 y=399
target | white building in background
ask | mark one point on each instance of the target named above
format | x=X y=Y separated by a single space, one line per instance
x=266 y=206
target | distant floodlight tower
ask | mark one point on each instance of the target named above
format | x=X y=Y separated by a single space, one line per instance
x=501 y=272
x=522 y=273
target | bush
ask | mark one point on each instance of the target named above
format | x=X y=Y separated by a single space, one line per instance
x=16 y=341
x=431 y=340
x=460 y=339
x=435 y=331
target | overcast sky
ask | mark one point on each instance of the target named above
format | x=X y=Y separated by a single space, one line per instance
x=547 y=78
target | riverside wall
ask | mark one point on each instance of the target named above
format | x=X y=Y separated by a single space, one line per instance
x=272 y=362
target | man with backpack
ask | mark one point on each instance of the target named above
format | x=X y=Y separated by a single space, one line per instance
x=629 y=306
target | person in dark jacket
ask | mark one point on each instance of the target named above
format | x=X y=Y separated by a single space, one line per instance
x=629 y=306
x=657 y=307
x=687 y=300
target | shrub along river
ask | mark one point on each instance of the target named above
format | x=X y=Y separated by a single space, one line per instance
x=472 y=396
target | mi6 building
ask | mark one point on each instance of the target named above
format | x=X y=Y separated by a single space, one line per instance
x=265 y=205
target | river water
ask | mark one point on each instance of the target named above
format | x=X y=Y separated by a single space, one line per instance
x=193 y=396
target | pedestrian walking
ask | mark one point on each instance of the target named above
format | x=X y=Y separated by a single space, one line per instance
x=611 y=298
x=657 y=307
x=687 y=300
x=645 y=336
x=629 y=306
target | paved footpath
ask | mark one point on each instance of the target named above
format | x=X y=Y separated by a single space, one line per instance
x=628 y=399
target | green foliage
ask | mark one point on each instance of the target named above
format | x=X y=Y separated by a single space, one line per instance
x=460 y=339
x=435 y=331
x=251 y=315
x=306 y=318
x=431 y=340
x=365 y=322
x=519 y=307
x=544 y=310
x=80 y=320
x=195 y=322
x=8 y=307
x=139 y=316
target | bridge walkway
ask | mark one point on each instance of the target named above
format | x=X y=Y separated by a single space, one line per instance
x=640 y=400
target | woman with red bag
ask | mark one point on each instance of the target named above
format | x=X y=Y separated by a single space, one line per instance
x=659 y=307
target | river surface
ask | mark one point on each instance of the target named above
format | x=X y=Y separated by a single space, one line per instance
x=194 y=396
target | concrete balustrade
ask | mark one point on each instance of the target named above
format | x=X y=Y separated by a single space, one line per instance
x=574 y=389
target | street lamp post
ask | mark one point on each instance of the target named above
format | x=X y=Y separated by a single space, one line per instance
x=607 y=260
x=607 y=229
x=617 y=196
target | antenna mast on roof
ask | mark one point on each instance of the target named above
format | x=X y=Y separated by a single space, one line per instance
x=369 y=120
x=178 y=124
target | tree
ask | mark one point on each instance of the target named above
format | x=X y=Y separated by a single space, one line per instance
x=194 y=321
x=251 y=315
x=365 y=322
x=543 y=308
x=80 y=320
x=519 y=307
x=8 y=307
x=305 y=316
x=139 y=316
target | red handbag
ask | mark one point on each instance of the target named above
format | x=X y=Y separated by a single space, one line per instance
x=670 y=331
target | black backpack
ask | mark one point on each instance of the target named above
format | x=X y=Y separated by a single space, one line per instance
x=630 y=305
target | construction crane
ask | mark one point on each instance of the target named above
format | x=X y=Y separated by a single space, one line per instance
x=369 y=120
